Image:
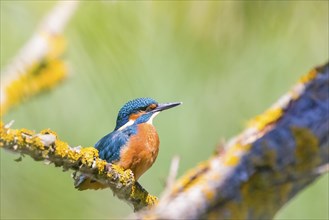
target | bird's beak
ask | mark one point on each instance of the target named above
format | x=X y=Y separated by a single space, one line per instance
x=165 y=106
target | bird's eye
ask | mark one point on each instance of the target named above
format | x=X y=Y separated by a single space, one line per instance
x=143 y=109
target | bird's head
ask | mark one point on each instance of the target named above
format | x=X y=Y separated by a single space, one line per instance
x=140 y=110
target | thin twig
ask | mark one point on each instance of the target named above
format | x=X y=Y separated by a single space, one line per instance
x=172 y=172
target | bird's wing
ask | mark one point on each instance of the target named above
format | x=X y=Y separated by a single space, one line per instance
x=110 y=145
x=109 y=149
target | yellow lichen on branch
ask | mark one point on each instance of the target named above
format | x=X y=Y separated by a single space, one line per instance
x=268 y=117
x=39 y=65
x=46 y=146
x=42 y=76
x=274 y=113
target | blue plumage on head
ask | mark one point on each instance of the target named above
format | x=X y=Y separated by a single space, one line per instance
x=131 y=107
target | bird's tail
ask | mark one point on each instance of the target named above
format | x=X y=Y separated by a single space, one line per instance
x=83 y=182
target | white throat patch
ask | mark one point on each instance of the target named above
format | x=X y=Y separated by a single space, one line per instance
x=150 y=121
x=130 y=122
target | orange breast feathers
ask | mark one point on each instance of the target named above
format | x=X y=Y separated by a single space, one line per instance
x=141 y=151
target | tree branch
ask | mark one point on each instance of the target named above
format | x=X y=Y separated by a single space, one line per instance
x=280 y=153
x=45 y=146
x=38 y=66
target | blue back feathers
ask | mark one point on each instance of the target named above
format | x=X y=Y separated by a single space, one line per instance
x=110 y=145
x=132 y=107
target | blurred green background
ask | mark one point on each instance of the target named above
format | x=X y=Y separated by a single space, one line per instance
x=226 y=61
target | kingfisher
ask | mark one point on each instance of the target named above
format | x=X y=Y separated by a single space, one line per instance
x=134 y=142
